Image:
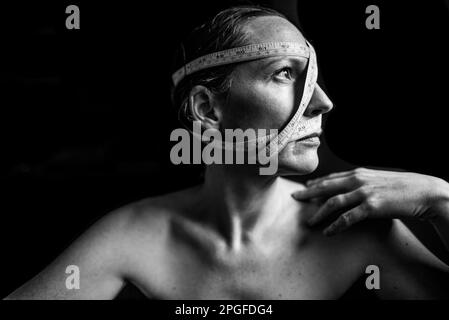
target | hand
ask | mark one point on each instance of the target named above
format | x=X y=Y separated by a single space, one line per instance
x=364 y=193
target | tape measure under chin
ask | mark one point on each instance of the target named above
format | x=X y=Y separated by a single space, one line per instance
x=253 y=52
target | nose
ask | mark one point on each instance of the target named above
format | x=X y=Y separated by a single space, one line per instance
x=319 y=103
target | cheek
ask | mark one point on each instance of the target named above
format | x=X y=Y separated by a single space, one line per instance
x=255 y=105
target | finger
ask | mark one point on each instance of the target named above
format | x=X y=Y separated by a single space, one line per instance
x=329 y=176
x=326 y=188
x=337 y=175
x=336 y=203
x=318 y=201
x=346 y=220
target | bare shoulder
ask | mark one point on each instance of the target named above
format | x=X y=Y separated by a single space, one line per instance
x=145 y=225
x=400 y=245
x=152 y=214
x=105 y=254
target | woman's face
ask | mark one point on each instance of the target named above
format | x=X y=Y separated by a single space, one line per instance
x=265 y=93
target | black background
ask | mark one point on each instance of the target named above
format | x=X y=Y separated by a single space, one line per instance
x=86 y=115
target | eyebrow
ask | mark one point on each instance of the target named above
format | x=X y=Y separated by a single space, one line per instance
x=272 y=60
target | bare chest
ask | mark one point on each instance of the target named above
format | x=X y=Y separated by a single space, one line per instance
x=311 y=271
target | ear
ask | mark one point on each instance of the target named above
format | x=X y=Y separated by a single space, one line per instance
x=203 y=106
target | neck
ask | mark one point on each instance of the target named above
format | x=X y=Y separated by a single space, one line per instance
x=239 y=202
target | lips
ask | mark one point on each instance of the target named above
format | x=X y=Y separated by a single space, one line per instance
x=310 y=135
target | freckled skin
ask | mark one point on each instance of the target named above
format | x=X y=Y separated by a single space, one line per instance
x=293 y=264
x=158 y=245
x=176 y=246
x=258 y=102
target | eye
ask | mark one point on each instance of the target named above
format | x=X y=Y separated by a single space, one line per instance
x=284 y=73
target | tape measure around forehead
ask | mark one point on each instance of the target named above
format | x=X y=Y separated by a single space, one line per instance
x=294 y=124
x=276 y=142
x=240 y=54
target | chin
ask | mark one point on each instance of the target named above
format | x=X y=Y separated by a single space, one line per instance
x=299 y=162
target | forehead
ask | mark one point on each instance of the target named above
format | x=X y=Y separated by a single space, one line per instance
x=272 y=29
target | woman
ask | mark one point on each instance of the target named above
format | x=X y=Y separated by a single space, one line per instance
x=242 y=235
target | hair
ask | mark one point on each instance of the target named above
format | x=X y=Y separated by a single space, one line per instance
x=225 y=30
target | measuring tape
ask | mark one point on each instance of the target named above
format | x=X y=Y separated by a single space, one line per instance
x=240 y=54
x=257 y=51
